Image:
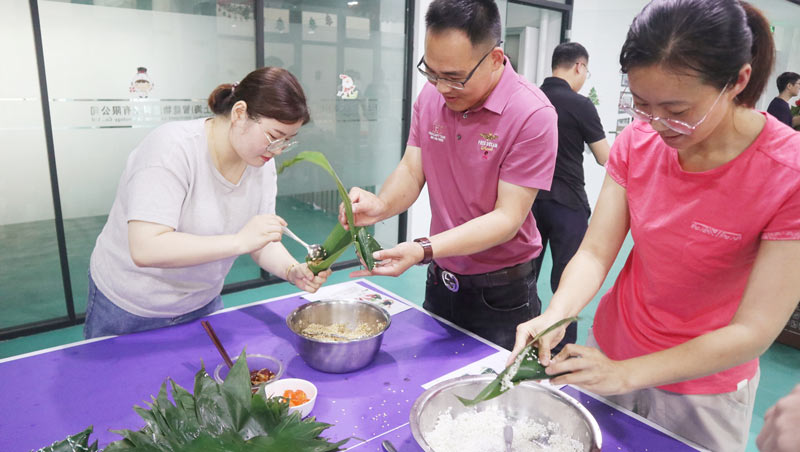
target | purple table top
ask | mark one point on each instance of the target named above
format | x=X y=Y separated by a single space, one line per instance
x=51 y=395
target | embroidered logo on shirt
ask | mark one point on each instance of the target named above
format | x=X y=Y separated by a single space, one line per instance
x=714 y=232
x=487 y=144
x=436 y=134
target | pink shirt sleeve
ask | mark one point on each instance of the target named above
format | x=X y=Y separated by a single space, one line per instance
x=532 y=158
x=785 y=225
x=413 y=133
x=617 y=164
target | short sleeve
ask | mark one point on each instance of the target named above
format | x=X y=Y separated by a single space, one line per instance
x=532 y=158
x=591 y=127
x=413 y=133
x=155 y=194
x=617 y=164
x=785 y=224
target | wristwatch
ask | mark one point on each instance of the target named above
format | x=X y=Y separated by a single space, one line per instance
x=427 y=249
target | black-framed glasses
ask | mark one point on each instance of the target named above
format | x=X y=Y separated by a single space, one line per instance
x=626 y=105
x=281 y=144
x=588 y=73
x=435 y=79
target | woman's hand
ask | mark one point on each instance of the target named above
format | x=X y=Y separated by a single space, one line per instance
x=590 y=369
x=302 y=277
x=367 y=208
x=528 y=330
x=258 y=232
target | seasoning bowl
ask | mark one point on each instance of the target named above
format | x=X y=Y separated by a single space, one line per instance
x=278 y=388
x=528 y=400
x=254 y=362
x=338 y=356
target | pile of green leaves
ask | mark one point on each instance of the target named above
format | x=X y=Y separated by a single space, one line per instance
x=78 y=442
x=223 y=417
x=525 y=367
x=339 y=238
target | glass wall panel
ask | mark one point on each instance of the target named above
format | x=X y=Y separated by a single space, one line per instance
x=350 y=60
x=116 y=69
x=30 y=274
x=114 y=74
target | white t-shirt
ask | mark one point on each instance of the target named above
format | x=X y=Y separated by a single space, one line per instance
x=170 y=179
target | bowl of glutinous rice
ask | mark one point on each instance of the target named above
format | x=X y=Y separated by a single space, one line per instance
x=542 y=418
x=338 y=336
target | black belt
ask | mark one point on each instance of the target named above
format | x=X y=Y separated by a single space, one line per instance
x=502 y=277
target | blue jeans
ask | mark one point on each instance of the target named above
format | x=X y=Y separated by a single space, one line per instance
x=563 y=228
x=492 y=313
x=104 y=318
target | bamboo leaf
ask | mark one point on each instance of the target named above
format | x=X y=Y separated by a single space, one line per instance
x=366 y=245
x=525 y=367
x=318 y=158
x=339 y=238
x=78 y=442
x=223 y=418
x=336 y=244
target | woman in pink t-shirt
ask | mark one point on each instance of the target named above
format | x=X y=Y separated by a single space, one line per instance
x=710 y=191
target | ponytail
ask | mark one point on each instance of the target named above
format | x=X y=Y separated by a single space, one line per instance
x=269 y=92
x=763 y=56
x=221 y=100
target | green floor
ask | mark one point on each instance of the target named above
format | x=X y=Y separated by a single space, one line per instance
x=780 y=365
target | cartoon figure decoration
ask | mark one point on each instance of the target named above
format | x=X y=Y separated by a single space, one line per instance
x=348 y=90
x=141 y=85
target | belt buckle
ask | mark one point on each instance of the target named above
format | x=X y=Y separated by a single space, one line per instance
x=450 y=281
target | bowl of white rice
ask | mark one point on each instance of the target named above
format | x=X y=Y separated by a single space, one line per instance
x=542 y=419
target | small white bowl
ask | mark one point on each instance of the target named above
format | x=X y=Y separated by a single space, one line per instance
x=276 y=388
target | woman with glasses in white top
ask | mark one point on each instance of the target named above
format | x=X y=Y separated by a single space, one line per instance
x=709 y=189
x=194 y=196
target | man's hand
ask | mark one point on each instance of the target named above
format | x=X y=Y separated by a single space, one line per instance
x=368 y=209
x=393 y=262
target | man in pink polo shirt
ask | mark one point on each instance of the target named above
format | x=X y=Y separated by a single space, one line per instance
x=484 y=140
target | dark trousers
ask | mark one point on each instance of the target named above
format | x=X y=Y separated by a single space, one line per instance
x=563 y=229
x=492 y=313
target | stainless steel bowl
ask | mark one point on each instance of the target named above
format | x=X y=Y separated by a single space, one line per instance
x=340 y=356
x=531 y=400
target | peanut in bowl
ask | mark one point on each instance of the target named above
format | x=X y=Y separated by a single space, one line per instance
x=264 y=369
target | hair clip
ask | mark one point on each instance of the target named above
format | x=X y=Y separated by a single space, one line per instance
x=233 y=86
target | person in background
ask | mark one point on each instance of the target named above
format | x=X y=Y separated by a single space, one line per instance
x=788 y=87
x=195 y=195
x=483 y=139
x=709 y=189
x=780 y=432
x=562 y=213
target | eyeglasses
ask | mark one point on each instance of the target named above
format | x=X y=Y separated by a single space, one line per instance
x=452 y=83
x=626 y=105
x=281 y=144
x=588 y=74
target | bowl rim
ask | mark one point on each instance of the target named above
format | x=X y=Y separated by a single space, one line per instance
x=310 y=304
x=287 y=380
x=278 y=374
x=416 y=407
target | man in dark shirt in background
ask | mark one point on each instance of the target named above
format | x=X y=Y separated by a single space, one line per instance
x=788 y=87
x=562 y=214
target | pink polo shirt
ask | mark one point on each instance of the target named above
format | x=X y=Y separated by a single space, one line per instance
x=696 y=236
x=511 y=137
